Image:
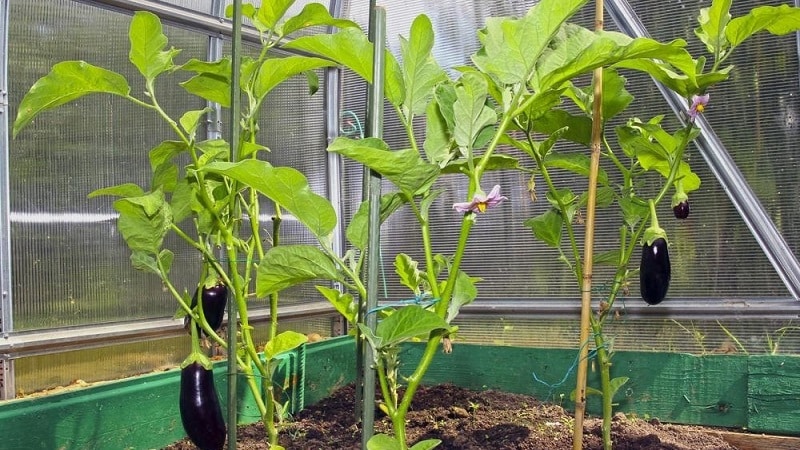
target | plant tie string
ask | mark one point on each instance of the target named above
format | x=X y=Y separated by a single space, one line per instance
x=552 y=387
x=425 y=300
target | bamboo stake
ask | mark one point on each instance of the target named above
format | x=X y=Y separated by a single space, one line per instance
x=588 y=260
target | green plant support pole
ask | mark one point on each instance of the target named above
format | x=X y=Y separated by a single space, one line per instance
x=236 y=61
x=377 y=32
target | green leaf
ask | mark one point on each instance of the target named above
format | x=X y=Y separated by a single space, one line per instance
x=190 y=120
x=283 y=342
x=547 y=227
x=67 y=81
x=144 y=221
x=610 y=48
x=568 y=126
x=427 y=444
x=312 y=15
x=511 y=47
x=351 y=48
x=120 y=190
x=358 y=228
x=713 y=21
x=633 y=210
x=406 y=323
x=420 y=71
x=212 y=81
x=470 y=111
x=277 y=70
x=181 y=201
x=577 y=163
x=383 y=442
x=615 y=384
x=165 y=178
x=408 y=270
x=497 y=161
x=607 y=258
x=778 y=20
x=284 y=266
x=404 y=168
x=438 y=140
x=145 y=262
x=165 y=152
x=343 y=302
x=270 y=12
x=285 y=186
x=464 y=293
x=147 y=46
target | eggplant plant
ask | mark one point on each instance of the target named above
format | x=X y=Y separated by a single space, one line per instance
x=213 y=201
x=639 y=151
x=503 y=104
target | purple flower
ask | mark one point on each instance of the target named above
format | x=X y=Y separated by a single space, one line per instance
x=699 y=103
x=481 y=202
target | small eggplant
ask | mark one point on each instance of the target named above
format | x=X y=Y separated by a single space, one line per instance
x=214 y=299
x=681 y=210
x=201 y=413
x=655 y=271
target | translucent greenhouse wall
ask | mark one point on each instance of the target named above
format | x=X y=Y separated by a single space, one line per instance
x=66 y=278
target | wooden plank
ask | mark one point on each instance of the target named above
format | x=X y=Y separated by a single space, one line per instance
x=749 y=441
x=773 y=394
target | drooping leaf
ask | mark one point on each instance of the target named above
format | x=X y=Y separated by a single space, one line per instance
x=284 y=266
x=211 y=82
x=577 y=163
x=617 y=383
x=351 y=48
x=190 y=120
x=164 y=152
x=404 y=168
x=358 y=228
x=420 y=71
x=147 y=46
x=497 y=161
x=120 y=190
x=547 y=227
x=284 y=342
x=312 y=15
x=285 y=186
x=144 y=221
x=464 y=293
x=408 y=271
x=407 y=323
x=277 y=70
x=511 y=47
x=144 y=261
x=67 y=81
x=427 y=444
x=438 y=140
x=633 y=211
x=778 y=20
x=343 y=302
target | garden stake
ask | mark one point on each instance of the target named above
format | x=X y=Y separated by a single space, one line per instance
x=586 y=282
x=236 y=62
x=372 y=188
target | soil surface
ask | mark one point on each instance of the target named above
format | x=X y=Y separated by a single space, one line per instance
x=469 y=420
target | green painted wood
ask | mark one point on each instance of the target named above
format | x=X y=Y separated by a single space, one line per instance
x=677 y=388
x=773 y=394
x=135 y=413
x=330 y=364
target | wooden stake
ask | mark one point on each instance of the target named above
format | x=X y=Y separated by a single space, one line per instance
x=586 y=283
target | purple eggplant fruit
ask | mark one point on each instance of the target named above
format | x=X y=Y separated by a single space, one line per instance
x=214 y=300
x=655 y=271
x=201 y=413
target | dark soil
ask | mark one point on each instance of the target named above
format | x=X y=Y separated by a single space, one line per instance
x=469 y=420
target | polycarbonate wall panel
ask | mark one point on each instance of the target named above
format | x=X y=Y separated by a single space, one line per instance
x=713 y=253
x=70 y=265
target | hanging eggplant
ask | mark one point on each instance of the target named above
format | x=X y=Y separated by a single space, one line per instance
x=655 y=270
x=213 y=300
x=200 y=410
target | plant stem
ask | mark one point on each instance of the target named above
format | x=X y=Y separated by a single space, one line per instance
x=604 y=360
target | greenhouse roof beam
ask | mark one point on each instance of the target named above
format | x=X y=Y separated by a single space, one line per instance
x=724 y=169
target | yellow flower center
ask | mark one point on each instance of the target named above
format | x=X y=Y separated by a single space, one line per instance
x=481 y=206
x=700 y=108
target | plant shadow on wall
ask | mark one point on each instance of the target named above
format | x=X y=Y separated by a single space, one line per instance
x=518 y=95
